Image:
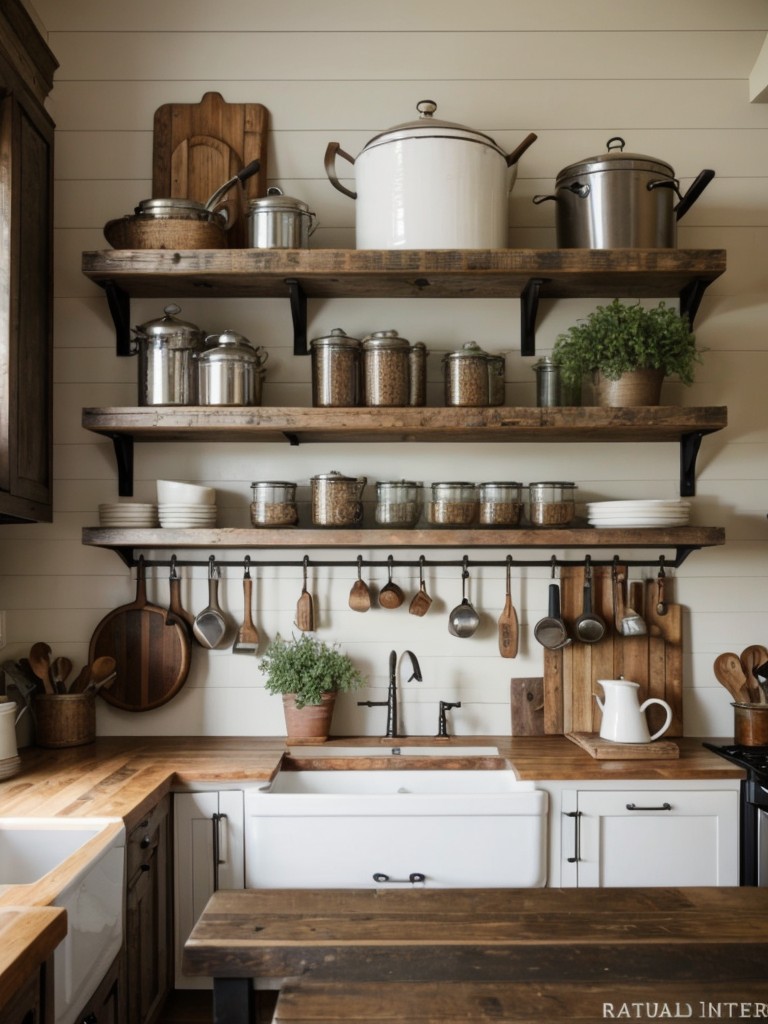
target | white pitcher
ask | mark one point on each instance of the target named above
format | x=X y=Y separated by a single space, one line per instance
x=623 y=715
x=8 y=720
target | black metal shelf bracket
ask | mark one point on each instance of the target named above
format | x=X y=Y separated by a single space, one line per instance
x=299 y=316
x=691 y=296
x=529 y=309
x=120 y=309
x=123 y=445
x=689 y=450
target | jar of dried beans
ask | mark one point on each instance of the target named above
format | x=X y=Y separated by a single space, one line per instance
x=386 y=369
x=551 y=503
x=274 y=503
x=398 y=502
x=452 y=504
x=335 y=369
x=500 y=504
x=465 y=374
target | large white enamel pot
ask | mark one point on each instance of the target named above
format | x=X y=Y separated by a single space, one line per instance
x=430 y=184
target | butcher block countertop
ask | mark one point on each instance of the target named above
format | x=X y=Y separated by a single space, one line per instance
x=124 y=776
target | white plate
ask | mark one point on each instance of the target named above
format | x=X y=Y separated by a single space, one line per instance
x=637 y=506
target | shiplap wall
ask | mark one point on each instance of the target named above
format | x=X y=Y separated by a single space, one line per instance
x=672 y=78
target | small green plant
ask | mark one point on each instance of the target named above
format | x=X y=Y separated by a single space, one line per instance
x=619 y=338
x=308 y=668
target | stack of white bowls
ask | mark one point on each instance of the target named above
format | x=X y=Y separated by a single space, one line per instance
x=184 y=506
x=624 y=514
x=128 y=515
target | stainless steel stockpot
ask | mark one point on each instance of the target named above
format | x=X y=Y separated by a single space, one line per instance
x=231 y=371
x=167 y=349
x=620 y=200
x=277 y=221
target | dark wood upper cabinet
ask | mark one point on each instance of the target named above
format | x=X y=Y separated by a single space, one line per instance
x=26 y=245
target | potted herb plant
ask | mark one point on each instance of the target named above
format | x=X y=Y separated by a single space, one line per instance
x=628 y=350
x=308 y=673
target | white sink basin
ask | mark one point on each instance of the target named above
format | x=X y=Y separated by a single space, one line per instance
x=449 y=783
x=82 y=862
x=393 y=751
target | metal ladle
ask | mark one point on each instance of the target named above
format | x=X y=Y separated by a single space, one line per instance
x=589 y=627
x=463 y=620
x=551 y=631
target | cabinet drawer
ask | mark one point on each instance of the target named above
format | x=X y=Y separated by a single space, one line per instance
x=143 y=839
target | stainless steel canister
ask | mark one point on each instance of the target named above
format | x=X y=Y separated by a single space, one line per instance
x=417 y=361
x=466 y=376
x=551 y=389
x=386 y=369
x=231 y=371
x=167 y=350
x=277 y=221
x=335 y=369
x=337 y=499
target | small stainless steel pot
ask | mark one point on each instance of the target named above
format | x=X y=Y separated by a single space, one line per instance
x=277 y=221
x=231 y=371
x=167 y=349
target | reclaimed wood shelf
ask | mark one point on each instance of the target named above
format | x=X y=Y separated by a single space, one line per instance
x=297 y=425
x=683 y=539
x=526 y=274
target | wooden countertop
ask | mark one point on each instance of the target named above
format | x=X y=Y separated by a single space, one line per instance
x=28 y=936
x=124 y=777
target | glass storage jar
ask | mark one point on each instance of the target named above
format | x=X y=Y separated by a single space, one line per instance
x=386 y=369
x=274 y=503
x=551 y=503
x=335 y=370
x=398 y=502
x=452 y=504
x=337 y=499
x=500 y=504
x=465 y=374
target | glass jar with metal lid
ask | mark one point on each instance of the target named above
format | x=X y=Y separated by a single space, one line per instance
x=274 y=503
x=277 y=221
x=500 y=504
x=386 y=369
x=453 y=504
x=466 y=376
x=551 y=503
x=337 y=499
x=335 y=369
x=231 y=370
x=398 y=502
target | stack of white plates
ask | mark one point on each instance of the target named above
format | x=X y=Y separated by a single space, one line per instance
x=185 y=516
x=625 y=514
x=128 y=515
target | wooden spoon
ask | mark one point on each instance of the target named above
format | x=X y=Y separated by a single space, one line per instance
x=508 y=625
x=60 y=670
x=751 y=658
x=359 y=595
x=40 y=661
x=730 y=674
x=305 y=609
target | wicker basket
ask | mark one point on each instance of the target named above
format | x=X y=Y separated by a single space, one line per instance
x=135 y=232
x=65 y=719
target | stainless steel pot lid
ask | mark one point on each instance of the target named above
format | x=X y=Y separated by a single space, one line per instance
x=276 y=200
x=427 y=125
x=615 y=159
x=169 y=326
x=385 y=340
x=183 y=209
x=469 y=350
x=337 y=338
x=229 y=346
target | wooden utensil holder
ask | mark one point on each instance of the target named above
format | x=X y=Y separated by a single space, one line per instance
x=65 y=719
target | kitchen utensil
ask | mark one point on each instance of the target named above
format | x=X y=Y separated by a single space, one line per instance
x=661 y=603
x=277 y=221
x=40 y=660
x=421 y=601
x=305 y=609
x=551 y=631
x=60 y=670
x=623 y=718
x=730 y=674
x=751 y=657
x=430 y=184
x=463 y=619
x=589 y=627
x=760 y=672
x=176 y=612
x=247 y=638
x=627 y=621
x=19 y=680
x=359 y=595
x=210 y=625
x=390 y=595
x=231 y=370
x=620 y=200
x=508 y=624
x=152 y=656
x=95 y=674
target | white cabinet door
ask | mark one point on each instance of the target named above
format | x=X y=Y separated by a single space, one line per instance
x=201 y=822
x=650 y=837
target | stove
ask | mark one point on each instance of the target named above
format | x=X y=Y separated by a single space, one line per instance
x=753 y=825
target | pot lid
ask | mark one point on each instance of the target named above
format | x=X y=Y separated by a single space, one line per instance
x=336 y=476
x=187 y=208
x=229 y=346
x=275 y=199
x=427 y=126
x=616 y=159
x=385 y=339
x=170 y=326
x=337 y=337
x=469 y=350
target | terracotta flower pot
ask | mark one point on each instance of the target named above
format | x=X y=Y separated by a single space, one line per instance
x=310 y=724
x=637 y=387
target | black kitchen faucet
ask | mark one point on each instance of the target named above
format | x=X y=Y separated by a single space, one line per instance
x=391 y=702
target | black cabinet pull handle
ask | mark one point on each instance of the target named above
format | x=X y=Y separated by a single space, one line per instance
x=576 y=815
x=415 y=876
x=664 y=807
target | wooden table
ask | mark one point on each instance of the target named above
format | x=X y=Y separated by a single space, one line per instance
x=610 y=939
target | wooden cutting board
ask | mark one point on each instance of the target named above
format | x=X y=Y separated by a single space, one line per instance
x=527 y=704
x=608 y=750
x=199 y=146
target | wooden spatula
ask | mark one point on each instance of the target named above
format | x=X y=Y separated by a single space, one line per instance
x=508 y=625
x=751 y=658
x=247 y=638
x=305 y=610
